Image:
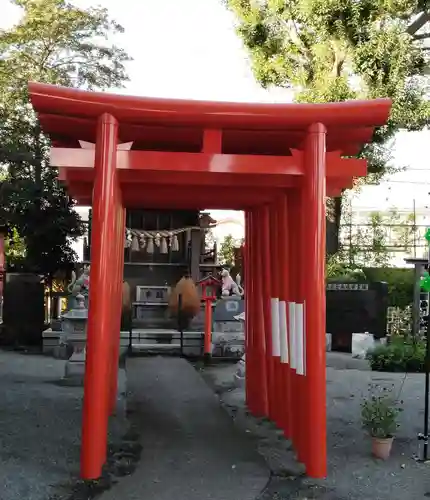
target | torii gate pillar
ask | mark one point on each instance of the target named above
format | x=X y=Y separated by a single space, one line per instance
x=313 y=289
x=285 y=308
x=104 y=300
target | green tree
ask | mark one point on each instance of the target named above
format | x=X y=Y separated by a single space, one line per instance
x=15 y=249
x=333 y=50
x=377 y=230
x=226 y=251
x=363 y=243
x=405 y=232
x=53 y=42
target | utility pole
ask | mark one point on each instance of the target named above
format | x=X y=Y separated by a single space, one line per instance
x=424 y=437
x=414 y=231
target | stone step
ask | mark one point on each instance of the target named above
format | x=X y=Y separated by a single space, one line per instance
x=153 y=340
x=161 y=347
x=164 y=332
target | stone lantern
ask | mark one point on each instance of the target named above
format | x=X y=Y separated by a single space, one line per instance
x=74 y=330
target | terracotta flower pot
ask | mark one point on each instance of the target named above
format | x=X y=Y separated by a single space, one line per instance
x=381 y=447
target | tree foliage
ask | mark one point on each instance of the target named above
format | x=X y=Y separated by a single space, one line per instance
x=53 y=42
x=374 y=242
x=226 y=251
x=333 y=50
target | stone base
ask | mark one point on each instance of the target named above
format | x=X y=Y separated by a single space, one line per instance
x=74 y=373
x=61 y=351
x=328 y=340
x=52 y=342
x=75 y=368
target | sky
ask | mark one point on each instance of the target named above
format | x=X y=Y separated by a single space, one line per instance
x=189 y=49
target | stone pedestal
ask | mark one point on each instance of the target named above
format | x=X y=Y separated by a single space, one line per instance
x=228 y=336
x=328 y=340
x=74 y=330
x=75 y=368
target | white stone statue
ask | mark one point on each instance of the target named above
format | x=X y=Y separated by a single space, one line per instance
x=81 y=284
x=230 y=288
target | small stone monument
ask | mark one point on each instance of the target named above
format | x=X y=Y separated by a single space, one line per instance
x=229 y=334
x=74 y=329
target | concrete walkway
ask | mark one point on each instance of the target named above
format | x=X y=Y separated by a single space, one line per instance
x=191 y=448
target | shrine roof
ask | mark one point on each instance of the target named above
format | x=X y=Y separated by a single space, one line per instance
x=68 y=115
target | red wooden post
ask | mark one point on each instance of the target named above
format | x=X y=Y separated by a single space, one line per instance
x=258 y=317
x=117 y=305
x=315 y=158
x=99 y=342
x=208 y=328
x=293 y=267
x=249 y=344
x=302 y=276
x=265 y=292
x=284 y=274
x=208 y=284
x=275 y=275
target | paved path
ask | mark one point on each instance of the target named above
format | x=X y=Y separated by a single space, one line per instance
x=191 y=448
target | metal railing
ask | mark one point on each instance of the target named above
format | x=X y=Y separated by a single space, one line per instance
x=156 y=335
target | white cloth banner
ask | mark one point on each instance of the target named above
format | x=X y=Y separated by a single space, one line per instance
x=276 y=346
x=292 y=333
x=283 y=332
x=299 y=344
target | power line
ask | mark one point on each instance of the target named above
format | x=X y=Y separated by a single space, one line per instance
x=407 y=169
x=400 y=182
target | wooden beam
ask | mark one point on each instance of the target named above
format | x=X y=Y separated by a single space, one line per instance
x=209 y=163
x=336 y=166
x=202 y=180
x=181 y=162
x=187 y=197
x=81 y=190
x=212 y=141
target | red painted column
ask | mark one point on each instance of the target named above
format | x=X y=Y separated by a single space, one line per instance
x=208 y=330
x=117 y=305
x=258 y=317
x=275 y=275
x=249 y=344
x=302 y=283
x=295 y=260
x=99 y=336
x=284 y=287
x=315 y=307
x=265 y=290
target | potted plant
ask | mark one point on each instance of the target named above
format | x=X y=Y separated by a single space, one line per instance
x=379 y=415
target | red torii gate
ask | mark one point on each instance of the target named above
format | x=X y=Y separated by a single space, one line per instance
x=277 y=162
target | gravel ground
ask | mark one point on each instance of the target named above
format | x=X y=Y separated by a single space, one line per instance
x=40 y=422
x=353 y=473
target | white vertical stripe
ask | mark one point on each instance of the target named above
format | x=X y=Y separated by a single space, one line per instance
x=283 y=331
x=299 y=339
x=276 y=346
x=304 y=337
x=292 y=332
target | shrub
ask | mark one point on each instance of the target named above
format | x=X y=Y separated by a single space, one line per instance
x=398 y=356
x=379 y=412
x=400 y=284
